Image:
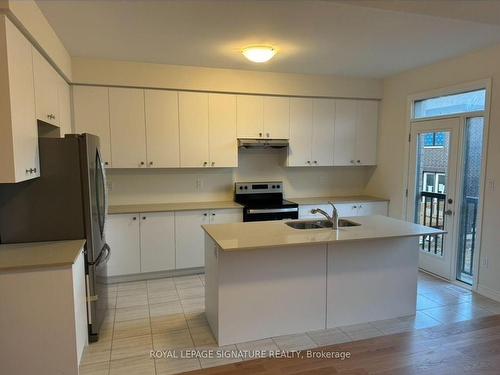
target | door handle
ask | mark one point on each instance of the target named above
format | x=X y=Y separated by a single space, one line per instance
x=448 y=212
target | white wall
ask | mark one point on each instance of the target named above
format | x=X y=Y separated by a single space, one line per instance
x=125 y=73
x=180 y=185
x=28 y=17
x=388 y=179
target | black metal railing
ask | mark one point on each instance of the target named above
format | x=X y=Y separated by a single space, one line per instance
x=468 y=234
x=431 y=212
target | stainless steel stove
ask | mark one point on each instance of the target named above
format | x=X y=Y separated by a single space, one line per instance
x=264 y=201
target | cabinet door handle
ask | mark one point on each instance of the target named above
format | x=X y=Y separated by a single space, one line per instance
x=106 y=163
x=150 y=163
x=315 y=162
x=359 y=161
x=352 y=161
x=205 y=214
x=268 y=135
x=205 y=163
x=213 y=163
x=142 y=163
x=27 y=171
x=308 y=162
x=260 y=134
x=213 y=214
x=144 y=218
x=134 y=218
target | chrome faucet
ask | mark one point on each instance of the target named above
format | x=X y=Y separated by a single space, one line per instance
x=334 y=219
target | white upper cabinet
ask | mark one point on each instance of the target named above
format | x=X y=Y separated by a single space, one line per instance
x=64 y=108
x=19 y=141
x=223 y=145
x=250 y=116
x=128 y=129
x=345 y=132
x=91 y=114
x=46 y=90
x=276 y=117
x=323 y=132
x=356 y=123
x=162 y=128
x=301 y=130
x=193 y=124
x=367 y=131
x=157 y=241
x=168 y=129
x=263 y=117
x=311 y=132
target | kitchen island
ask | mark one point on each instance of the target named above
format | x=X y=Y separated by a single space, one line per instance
x=265 y=279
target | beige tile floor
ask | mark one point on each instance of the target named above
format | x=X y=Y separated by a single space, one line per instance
x=169 y=314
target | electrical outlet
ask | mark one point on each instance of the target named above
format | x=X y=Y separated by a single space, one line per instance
x=491 y=184
x=199 y=183
x=484 y=261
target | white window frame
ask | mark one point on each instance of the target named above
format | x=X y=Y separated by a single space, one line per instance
x=436 y=180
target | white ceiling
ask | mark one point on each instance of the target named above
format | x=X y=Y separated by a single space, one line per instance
x=318 y=37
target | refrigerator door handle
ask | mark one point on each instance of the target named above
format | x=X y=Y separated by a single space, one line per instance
x=99 y=259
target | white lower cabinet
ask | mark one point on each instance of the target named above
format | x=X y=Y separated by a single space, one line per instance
x=157 y=241
x=345 y=209
x=45 y=311
x=123 y=237
x=161 y=241
x=189 y=239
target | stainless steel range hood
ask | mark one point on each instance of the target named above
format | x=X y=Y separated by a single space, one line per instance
x=248 y=143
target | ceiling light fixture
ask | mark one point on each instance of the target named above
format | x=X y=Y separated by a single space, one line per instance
x=259 y=54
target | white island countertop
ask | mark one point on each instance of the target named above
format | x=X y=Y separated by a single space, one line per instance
x=266 y=234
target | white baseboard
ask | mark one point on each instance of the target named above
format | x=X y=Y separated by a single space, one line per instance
x=489 y=293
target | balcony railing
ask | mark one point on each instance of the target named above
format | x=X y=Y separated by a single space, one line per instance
x=431 y=214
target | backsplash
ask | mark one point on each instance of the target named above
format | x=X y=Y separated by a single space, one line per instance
x=130 y=186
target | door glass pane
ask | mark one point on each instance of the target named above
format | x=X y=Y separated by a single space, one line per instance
x=430 y=200
x=473 y=154
x=471 y=101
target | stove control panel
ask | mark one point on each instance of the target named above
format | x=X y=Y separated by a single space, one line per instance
x=258 y=187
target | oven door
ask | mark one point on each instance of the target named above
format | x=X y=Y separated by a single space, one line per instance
x=266 y=214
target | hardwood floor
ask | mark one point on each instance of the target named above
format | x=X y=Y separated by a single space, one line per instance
x=467 y=347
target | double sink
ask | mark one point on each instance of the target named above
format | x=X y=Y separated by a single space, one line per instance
x=320 y=224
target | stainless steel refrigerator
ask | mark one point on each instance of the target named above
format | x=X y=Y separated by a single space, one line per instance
x=68 y=201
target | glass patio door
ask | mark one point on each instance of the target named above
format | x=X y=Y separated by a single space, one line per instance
x=432 y=190
x=469 y=222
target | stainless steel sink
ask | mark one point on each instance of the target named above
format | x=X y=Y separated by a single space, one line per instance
x=319 y=224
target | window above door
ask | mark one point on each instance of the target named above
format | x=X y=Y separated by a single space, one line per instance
x=471 y=101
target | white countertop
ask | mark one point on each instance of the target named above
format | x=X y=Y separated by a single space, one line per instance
x=187 y=206
x=265 y=234
x=165 y=207
x=21 y=256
